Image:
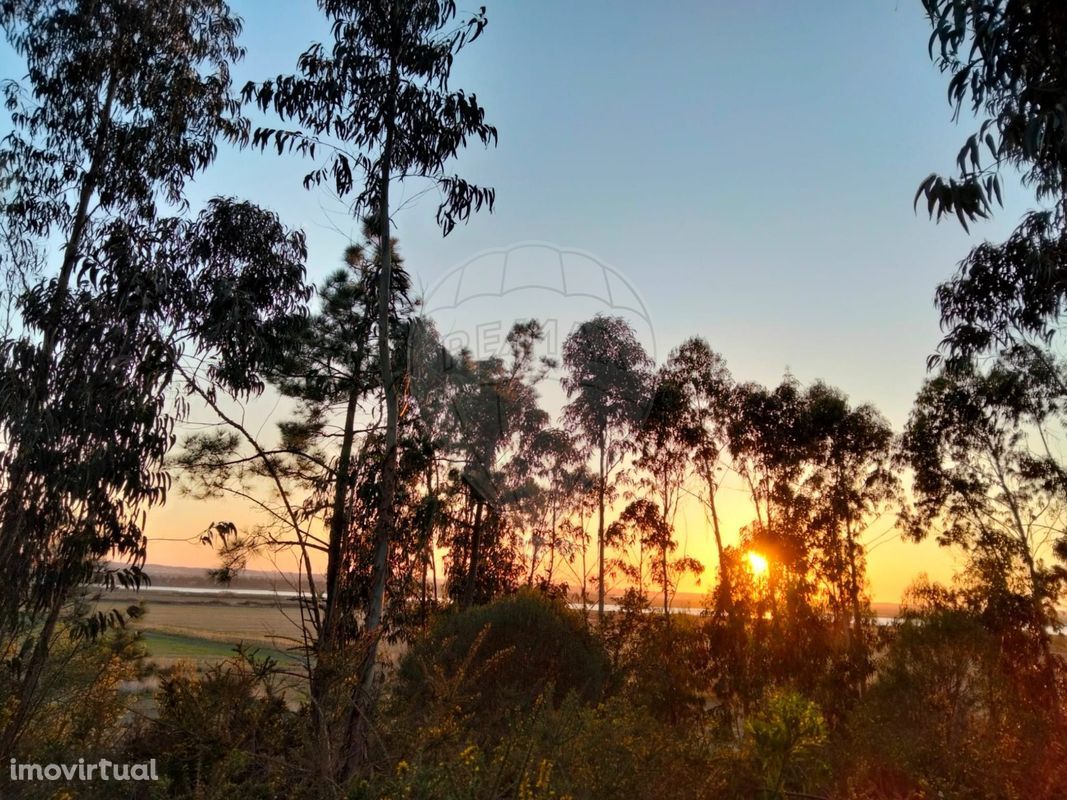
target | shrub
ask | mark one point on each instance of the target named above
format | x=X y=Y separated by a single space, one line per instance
x=224 y=734
x=489 y=662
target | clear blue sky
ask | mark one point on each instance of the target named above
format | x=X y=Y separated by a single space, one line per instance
x=748 y=166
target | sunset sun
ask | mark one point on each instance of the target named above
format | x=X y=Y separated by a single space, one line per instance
x=756 y=563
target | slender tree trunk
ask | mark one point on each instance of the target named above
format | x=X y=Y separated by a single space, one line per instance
x=585 y=570
x=339 y=522
x=476 y=542
x=666 y=587
x=384 y=529
x=716 y=529
x=535 y=550
x=600 y=535
x=552 y=548
x=857 y=643
x=329 y=645
x=81 y=216
x=427 y=553
x=854 y=582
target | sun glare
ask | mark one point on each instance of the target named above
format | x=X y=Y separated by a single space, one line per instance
x=757 y=563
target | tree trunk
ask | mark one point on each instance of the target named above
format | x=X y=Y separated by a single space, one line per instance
x=552 y=549
x=724 y=569
x=384 y=529
x=329 y=644
x=339 y=523
x=472 y=568
x=600 y=536
x=666 y=587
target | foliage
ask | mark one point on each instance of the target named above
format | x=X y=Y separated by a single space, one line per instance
x=379 y=103
x=401 y=456
x=785 y=740
x=226 y=733
x=959 y=709
x=85 y=693
x=979 y=485
x=497 y=658
x=607 y=380
x=1005 y=61
x=121 y=107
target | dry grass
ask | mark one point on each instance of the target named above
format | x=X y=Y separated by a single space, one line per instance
x=214 y=619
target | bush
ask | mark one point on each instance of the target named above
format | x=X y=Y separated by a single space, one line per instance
x=953 y=714
x=604 y=752
x=224 y=734
x=489 y=662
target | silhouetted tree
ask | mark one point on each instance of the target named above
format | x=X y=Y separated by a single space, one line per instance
x=706 y=386
x=642 y=524
x=607 y=381
x=853 y=485
x=563 y=477
x=976 y=487
x=122 y=106
x=496 y=421
x=378 y=102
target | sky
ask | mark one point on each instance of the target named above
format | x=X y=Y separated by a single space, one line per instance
x=747 y=168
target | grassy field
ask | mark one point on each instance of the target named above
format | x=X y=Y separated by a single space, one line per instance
x=204 y=629
x=166 y=649
x=170 y=646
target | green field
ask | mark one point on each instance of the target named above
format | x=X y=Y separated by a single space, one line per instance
x=165 y=648
x=205 y=629
x=175 y=646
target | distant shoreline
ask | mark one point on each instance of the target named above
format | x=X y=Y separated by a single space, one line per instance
x=264 y=584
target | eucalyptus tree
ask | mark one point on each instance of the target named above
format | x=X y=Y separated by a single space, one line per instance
x=1006 y=63
x=665 y=440
x=575 y=530
x=121 y=106
x=607 y=380
x=378 y=106
x=707 y=394
x=774 y=447
x=976 y=487
x=854 y=484
x=644 y=525
x=770 y=448
x=497 y=420
x=564 y=476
